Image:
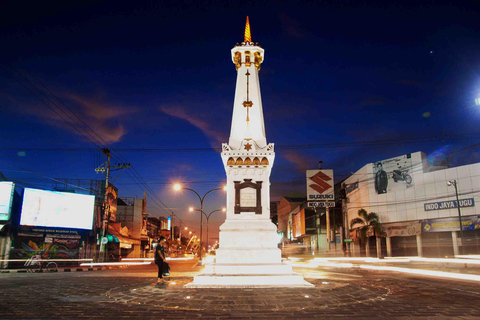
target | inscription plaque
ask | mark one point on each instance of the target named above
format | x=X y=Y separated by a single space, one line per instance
x=248 y=197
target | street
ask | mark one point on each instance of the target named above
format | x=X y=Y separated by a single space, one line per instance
x=132 y=293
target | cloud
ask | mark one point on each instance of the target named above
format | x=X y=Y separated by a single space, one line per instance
x=301 y=161
x=82 y=116
x=98 y=109
x=216 y=136
x=291 y=27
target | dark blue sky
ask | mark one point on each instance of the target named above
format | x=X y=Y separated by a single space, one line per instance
x=372 y=79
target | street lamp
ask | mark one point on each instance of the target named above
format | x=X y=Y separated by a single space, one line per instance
x=454 y=183
x=208 y=217
x=178 y=187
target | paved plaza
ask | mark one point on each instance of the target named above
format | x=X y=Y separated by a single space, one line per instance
x=131 y=293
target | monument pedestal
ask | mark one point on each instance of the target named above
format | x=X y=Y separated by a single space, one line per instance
x=248 y=257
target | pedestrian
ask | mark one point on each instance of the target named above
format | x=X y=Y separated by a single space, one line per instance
x=160 y=258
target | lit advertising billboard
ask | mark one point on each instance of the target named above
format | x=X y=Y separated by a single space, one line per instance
x=320 y=188
x=6 y=197
x=393 y=174
x=57 y=209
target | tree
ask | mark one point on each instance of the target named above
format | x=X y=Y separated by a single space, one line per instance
x=367 y=220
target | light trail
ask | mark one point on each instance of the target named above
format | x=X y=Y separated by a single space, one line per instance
x=113 y=264
x=470 y=256
x=152 y=259
x=446 y=260
x=49 y=260
x=440 y=274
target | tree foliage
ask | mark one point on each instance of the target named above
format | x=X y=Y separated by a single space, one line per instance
x=367 y=221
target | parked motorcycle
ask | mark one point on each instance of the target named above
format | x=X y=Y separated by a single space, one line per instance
x=399 y=175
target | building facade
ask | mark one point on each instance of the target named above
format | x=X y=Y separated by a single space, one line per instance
x=417 y=205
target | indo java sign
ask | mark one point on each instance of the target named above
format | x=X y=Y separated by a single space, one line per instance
x=320 y=188
x=450 y=204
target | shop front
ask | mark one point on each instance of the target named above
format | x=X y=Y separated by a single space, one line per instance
x=48 y=243
x=120 y=244
x=442 y=237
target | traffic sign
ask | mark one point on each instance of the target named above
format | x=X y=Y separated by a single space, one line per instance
x=347 y=240
x=104 y=240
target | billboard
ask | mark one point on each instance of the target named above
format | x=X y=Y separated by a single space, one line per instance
x=320 y=186
x=6 y=197
x=393 y=174
x=111 y=202
x=57 y=209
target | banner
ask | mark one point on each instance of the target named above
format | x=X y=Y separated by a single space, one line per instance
x=47 y=248
x=402 y=229
x=299 y=224
x=111 y=202
x=451 y=224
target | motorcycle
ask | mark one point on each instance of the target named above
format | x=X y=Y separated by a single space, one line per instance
x=399 y=175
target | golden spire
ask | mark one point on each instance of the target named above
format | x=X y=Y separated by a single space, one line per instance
x=248 y=36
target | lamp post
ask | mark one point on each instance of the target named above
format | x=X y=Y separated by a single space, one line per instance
x=178 y=187
x=208 y=216
x=454 y=183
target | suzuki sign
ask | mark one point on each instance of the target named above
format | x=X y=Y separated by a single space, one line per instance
x=320 y=187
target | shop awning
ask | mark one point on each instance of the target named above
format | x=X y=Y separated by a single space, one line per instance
x=121 y=238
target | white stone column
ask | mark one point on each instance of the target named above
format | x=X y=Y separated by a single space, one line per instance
x=419 y=245
x=353 y=249
x=379 y=247
x=455 y=243
x=389 y=246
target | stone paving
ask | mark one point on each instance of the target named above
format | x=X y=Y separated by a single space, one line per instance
x=132 y=294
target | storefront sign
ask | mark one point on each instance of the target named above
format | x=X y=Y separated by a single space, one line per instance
x=451 y=224
x=125 y=245
x=351 y=187
x=402 y=229
x=321 y=204
x=450 y=204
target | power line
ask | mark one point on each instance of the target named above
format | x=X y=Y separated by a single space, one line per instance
x=279 y=147
x=100 y=142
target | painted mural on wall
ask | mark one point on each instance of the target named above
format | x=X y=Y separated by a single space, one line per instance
x=393 y=174
x=47 y=248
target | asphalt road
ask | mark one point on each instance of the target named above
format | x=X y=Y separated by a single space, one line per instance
x=132 y=293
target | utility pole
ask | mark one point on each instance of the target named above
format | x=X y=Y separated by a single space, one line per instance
x=106 y=167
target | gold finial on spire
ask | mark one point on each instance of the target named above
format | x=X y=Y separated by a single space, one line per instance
x=248 y=36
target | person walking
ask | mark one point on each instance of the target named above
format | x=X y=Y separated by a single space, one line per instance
x=160 y=258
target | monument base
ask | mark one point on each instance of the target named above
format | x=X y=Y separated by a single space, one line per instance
x=248 y=275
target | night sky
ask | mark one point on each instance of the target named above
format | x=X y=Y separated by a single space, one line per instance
x=344 y=82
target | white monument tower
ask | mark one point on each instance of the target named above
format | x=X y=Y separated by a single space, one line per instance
x=248 y=254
